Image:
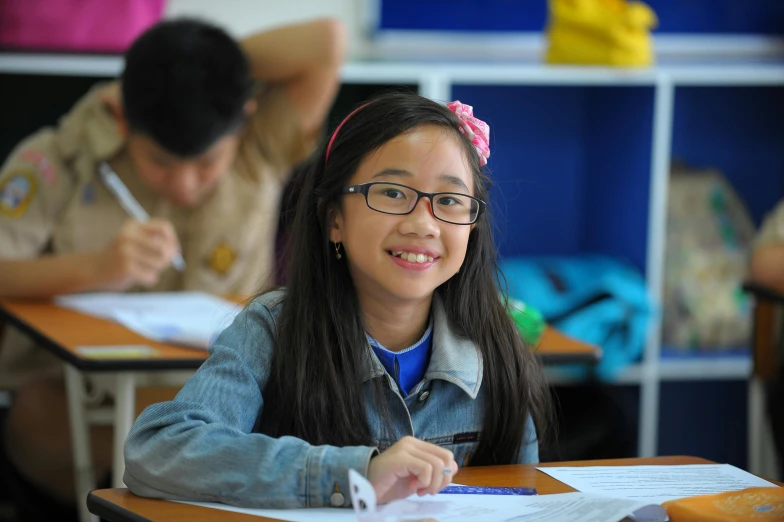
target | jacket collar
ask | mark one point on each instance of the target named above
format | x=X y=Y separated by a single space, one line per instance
x=455 y=358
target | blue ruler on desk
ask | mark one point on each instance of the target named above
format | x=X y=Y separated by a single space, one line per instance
x=483 y=490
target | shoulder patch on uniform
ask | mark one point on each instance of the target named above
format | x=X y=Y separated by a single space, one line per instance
x=17 y=189
x=42 y=163
x=221 y=258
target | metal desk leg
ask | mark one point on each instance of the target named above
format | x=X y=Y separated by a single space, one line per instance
x=80 y=442
x=761 y=449
x=124 y=414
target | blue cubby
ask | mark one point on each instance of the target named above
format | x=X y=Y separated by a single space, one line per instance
x=739 y=131
x=758 y=17
x=570 y=167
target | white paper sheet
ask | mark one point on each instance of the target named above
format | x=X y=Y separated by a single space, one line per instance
x=189 y=318
x=444 y=508
x=656 y=484
x=570 y=507
x=566 y=507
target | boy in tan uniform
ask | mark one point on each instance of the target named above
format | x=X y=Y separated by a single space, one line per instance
x=202 y=147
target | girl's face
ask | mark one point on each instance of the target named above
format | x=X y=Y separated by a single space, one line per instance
x=385 y=252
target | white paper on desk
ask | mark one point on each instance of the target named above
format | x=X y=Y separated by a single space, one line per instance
x=189 y=318
x=570 y=507
x=565 y=507
x=656 y=484
x=444 y=508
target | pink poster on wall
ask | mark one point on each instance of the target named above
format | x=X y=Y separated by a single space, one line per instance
x=75 y=25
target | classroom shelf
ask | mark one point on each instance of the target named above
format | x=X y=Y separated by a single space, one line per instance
x=705 y=368
x=478 y=72
x=60 y=64
x=709 y=368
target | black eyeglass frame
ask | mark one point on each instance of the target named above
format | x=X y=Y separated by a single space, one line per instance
x=364 y=188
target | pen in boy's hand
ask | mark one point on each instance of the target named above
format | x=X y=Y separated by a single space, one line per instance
x=132 y=207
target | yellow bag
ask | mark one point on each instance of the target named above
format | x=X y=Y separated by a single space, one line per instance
x=746 y=505
x=600 y=32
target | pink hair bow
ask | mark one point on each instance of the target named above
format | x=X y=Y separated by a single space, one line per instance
x=475 y=129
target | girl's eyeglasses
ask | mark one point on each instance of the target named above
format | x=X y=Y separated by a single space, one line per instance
x=397 y=199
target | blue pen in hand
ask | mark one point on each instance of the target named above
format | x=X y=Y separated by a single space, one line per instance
x=118 y=189
x=484 y=490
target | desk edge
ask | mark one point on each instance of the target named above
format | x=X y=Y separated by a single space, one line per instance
x=568 y=358
x=111 y=511
x=98 y=365
x=40 y=338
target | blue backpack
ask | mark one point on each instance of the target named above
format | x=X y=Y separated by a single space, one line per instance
x=596 y=299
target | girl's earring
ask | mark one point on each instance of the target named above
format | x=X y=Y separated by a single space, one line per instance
x=337 y=251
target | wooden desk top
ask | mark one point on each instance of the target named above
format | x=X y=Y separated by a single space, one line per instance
x=119 y=505
x=557 y=348
x=62 y=331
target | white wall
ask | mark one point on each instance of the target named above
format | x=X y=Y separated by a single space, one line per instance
x=242 y=17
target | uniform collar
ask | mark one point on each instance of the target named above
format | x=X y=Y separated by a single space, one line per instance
x=455 y=359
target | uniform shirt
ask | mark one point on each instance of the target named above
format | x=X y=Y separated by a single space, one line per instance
x=407 y=366
x=205 y=444
x=52 y=201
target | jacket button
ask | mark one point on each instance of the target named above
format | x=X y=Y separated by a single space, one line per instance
x=423 y=396
x=337 y=499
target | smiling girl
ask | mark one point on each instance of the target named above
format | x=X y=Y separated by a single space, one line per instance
x=390 y=353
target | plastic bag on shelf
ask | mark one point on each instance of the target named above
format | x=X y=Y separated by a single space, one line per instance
x=709 y=232
x=600 y=32
x=597 y=299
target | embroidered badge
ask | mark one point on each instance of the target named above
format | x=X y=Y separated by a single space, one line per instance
x=222 y=257
x=17 y=189
x=44 y=166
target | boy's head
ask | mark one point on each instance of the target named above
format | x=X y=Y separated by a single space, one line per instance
x=186 y=90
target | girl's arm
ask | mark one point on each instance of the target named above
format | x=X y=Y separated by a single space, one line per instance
x=200 y=446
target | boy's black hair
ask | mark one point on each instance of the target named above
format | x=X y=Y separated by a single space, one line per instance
x=185 y=85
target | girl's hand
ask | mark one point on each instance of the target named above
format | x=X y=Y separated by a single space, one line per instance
x=411 y=466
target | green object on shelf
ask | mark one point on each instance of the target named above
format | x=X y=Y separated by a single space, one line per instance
x=529 y=321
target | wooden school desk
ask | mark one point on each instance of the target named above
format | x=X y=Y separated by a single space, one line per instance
x=119 y=505
x=63 y=331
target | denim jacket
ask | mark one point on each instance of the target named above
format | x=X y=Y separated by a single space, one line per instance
x=201 y=446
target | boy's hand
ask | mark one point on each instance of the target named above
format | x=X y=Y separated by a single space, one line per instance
x=137 y=255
